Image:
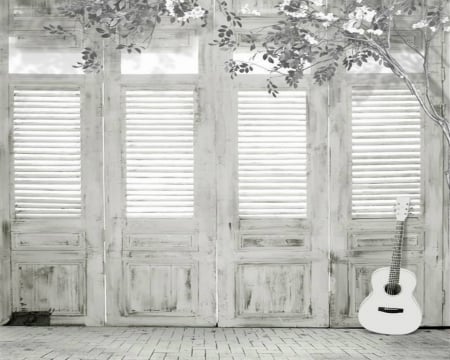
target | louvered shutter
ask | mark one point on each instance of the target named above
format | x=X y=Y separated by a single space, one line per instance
x=386 y=151
x=272 y=154
x=46 y=149
x=159 y=153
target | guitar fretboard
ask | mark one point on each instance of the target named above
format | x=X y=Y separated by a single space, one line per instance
x=394 y=273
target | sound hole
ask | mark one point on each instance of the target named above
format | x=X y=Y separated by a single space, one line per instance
x=392 y=289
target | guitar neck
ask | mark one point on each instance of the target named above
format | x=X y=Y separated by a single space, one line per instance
x=394 y=274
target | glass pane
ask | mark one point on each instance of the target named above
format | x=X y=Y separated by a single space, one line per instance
x=25 y=59
x=168 y=53
x=26 y=8
x=412 y=63
x=257 y=7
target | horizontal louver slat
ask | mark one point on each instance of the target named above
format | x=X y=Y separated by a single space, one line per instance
x=46 y=152
x=159 y=154
x=272 y=154
x=386 y=151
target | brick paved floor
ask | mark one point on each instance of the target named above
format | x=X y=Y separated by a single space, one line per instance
x=139 y=343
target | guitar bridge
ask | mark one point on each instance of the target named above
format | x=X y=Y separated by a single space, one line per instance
x=390 y=310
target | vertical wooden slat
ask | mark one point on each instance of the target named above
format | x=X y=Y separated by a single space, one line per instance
x=92 y=154
x=225 y=101
x=435 y=209
x=340 y=190
x=446 y=229
x=433 y=220
x=5 y=254
x=114 y=187
x=318 y=200
x=205 y=175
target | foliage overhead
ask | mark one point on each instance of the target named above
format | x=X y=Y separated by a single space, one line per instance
x=309 y=36
x=130 y=22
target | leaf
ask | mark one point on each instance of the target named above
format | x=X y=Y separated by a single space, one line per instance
x=114 y=22
x=100 y=30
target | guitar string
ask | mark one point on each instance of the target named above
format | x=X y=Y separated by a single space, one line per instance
x=394 y=271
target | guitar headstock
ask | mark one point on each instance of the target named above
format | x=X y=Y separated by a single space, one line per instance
x=402 y=208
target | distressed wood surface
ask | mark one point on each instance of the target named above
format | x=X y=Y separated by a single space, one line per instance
x=160 y=271
x=92 y=189
x=5 y=244
x=59 y=263
x=358 y=245
x=271 y=271
x=114 y=187
x=446 y=222
x=163 y=271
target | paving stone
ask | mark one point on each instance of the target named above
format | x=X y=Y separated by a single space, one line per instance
x=147 y=343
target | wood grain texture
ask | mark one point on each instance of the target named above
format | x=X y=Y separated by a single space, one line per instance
x=360 y=275
x=61 y=261
x=50 y=286
x=160 y=289
x=446 y=218
x=160 y=270
x=358 y=244
x=49 y=241
x=273 y=289
x=50 y=279
x=267 y=266
x=92 y=189
x=5 y=244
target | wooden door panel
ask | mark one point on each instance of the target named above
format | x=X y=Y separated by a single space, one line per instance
x=358 y=271
x=160 y=200
x=55 y=202
x=273 y=289
x=42 y=284
x=160 y=288
x=272 y=207
x=366 y=178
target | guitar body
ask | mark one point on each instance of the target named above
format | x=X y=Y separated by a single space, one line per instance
x=389 y=314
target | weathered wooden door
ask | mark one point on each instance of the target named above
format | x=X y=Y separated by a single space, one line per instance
x=382 y=146
x=272 y=206
x=160 y=196
x=51 y=207
x=55 y=219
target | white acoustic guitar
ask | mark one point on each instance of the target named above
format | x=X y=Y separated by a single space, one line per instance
x=391 y=307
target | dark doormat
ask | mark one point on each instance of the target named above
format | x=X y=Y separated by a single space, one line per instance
x=30 y=318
